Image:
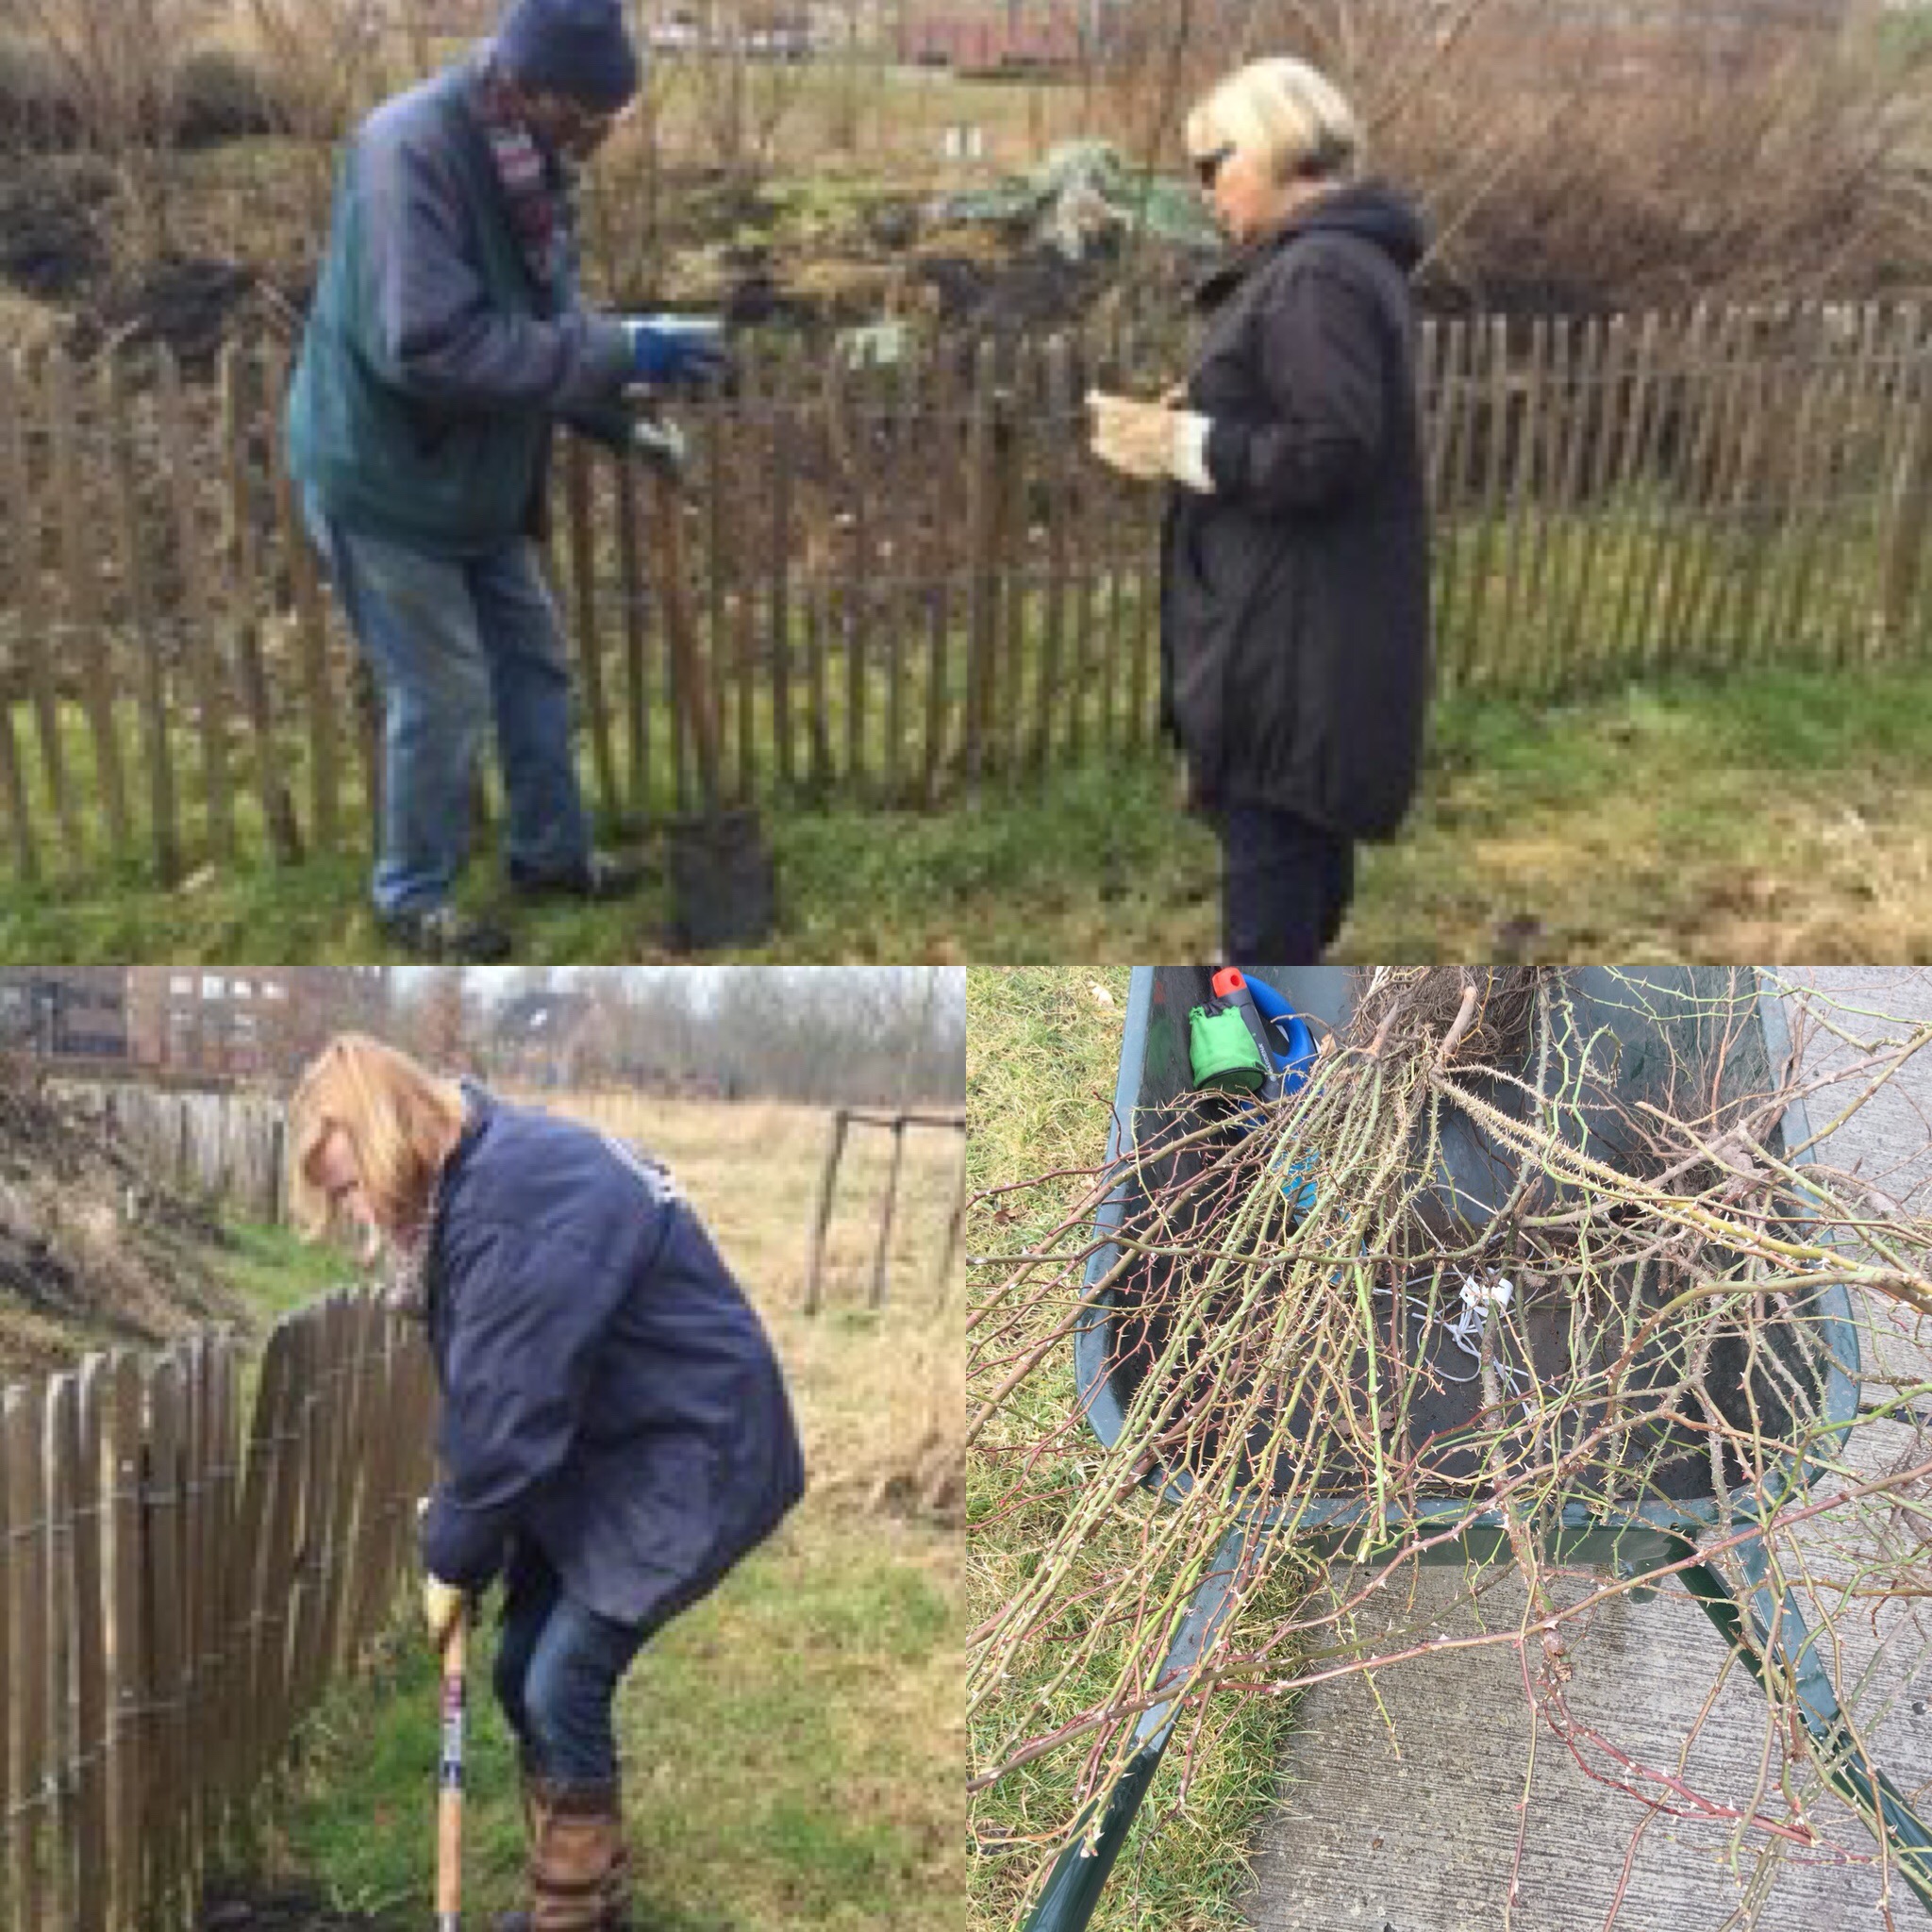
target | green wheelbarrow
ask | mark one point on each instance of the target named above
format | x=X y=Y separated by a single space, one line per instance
x=1723 y=1020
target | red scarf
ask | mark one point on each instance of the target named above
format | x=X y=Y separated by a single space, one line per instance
x=534 y=188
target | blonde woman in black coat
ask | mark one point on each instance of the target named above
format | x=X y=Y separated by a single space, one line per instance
x=1295 y=590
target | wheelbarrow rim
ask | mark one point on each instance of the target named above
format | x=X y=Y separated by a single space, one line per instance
x=1787 y=1476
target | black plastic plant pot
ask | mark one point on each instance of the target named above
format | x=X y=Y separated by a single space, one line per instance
x=1646 y=1027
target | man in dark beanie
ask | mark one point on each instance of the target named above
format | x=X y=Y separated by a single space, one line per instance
x=445 y=338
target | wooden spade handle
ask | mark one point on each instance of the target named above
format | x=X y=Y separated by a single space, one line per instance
x=449 y=1782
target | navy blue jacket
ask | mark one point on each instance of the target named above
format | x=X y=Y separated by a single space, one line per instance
x=432 y=363
x=610 y=1396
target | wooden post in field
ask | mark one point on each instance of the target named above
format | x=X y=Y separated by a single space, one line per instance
x=781 y=412
x=935 y=554
x=861 y=569
x=1908 y=504
x=25 y=1580
x=898 y=430
x=255 y=1579
x=631 y=590
x=955 y=1226
x=12 y=774
x=89 y=1636
x=190 y=1357
x=583 y=572
x=151 y=677
x=20 y=521
x=23 y=571
x=1015 y=547
x=58 y=1451
x=823 y=1215
x=163 y=1825
x=123 y=1771
x=311 y=626
x=8 y=1673
x=1060 y=447
x=83 y=610
x=197 y=628
x=882 y=1254
x=239 y=551
x=305 y=1565
x=983 y=525
x=221 y=1553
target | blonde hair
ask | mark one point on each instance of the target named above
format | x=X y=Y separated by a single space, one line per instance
x=401 y=1121
x=1286 y=112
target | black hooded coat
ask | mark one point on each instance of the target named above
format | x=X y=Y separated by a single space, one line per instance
x=1295 y=598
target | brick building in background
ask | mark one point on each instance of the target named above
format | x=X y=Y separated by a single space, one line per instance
x=187 y=1022
x=67 y=1013
x=246 y=1023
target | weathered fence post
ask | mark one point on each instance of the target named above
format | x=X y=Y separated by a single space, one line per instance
x=880 y=1257
x=823 y=1216
x=25 y=1580
x=955 y=1226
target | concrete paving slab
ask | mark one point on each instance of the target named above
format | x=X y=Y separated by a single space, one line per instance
x=1433 y=1802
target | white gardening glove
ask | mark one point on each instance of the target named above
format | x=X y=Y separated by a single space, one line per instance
x=443 y=1606
x=1150 y=441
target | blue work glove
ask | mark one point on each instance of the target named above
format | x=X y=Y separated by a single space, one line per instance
x=667 y=350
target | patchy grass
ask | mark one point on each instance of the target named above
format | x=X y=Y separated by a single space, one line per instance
x=792 y=1750
x=1779 y=814
x=1042 y=1046
x=274 y=1271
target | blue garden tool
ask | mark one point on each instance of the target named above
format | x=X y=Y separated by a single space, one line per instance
x=1290 y=1044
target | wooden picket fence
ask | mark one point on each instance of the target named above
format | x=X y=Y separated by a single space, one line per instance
x=228 y=1146
x=912 y=584
x=180 y=1583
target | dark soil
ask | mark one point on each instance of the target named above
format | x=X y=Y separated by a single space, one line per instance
x=289 y=1908
x=52 y=240
x=191 y=305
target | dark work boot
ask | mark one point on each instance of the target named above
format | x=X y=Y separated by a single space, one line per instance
x=535 y=1796
x=578 y=1872
x=445 y=934
x=602 y=876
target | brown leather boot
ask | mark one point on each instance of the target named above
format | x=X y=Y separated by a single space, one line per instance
x=536 y=1810
x=617 y=1879
x=578 y=1854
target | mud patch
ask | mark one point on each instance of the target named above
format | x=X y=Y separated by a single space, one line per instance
x=190 y=306
x=289 y=1908
x=53 y=229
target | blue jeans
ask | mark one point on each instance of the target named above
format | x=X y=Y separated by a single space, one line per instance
x=557 y=1674
x=454 y=643
x=1286 y=884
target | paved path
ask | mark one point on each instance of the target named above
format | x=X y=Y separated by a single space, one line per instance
x=1423 y=1838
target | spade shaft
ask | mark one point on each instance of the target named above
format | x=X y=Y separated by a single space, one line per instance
x=449 y=1783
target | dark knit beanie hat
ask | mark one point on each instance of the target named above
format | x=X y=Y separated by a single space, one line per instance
x=579 y=48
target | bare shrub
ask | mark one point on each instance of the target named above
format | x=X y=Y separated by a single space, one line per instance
x=1587 y=160
x=324 y=64
x=742 y=101
x=123 y=99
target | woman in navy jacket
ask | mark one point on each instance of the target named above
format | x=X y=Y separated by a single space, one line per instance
x=615 y=1430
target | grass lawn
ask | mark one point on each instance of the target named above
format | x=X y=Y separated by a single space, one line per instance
x=793 y=1745
x=1041 y=1049
x=1775 y=814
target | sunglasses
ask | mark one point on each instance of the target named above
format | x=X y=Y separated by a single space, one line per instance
x=1208 y=167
